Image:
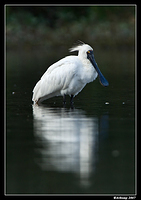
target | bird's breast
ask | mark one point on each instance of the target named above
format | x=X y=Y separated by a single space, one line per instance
x=89 y=73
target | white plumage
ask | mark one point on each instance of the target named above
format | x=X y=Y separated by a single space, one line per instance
x=68 y=76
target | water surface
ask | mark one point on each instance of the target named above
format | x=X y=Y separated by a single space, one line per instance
x=88 y=149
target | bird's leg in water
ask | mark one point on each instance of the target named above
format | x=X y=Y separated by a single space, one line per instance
x=64 y=99
x=71 y=100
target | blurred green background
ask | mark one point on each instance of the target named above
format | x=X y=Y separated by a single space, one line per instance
x=47 y=26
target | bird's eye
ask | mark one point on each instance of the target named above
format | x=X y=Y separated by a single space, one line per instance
x=88 y=51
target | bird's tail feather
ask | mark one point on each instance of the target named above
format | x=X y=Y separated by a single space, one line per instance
x=38 y=98
x=36 y=91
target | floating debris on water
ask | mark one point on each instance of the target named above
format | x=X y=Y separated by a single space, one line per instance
x=106 y=103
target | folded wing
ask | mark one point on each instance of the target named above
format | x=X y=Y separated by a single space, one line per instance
x=56 y=79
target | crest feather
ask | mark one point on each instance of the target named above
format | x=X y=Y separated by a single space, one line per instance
x=77 y=47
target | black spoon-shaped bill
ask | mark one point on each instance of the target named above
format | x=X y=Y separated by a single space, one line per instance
x=102 y=79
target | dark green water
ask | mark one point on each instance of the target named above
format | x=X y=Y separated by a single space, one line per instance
x=86 y=150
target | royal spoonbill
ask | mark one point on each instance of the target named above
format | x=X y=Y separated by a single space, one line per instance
x=69 y=75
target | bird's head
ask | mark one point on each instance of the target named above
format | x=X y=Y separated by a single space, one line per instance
x=85 y=51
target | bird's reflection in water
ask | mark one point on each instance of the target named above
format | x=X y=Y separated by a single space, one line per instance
x=68 y=140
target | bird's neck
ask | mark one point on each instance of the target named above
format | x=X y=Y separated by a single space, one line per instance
x=89 y=73
x=86 y=63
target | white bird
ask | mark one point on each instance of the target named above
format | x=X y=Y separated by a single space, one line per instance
x=69 y=75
